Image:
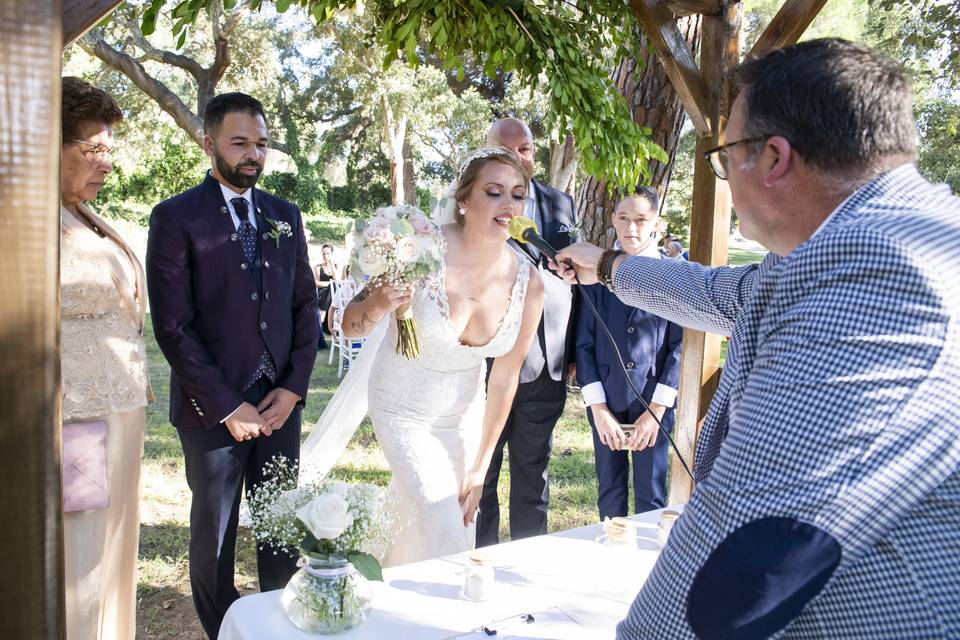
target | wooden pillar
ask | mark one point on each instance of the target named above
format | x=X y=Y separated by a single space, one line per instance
x=709 y=232
x=31 y=526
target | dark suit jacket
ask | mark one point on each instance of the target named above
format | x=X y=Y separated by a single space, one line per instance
x=553 y=346
x=211 y=316
x=649 y=344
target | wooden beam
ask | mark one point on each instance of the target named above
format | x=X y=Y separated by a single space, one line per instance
x=31 y=527
x=683 y=8
x=788 y=25
x=79 y=16
x=677 y=60
x=709 y=231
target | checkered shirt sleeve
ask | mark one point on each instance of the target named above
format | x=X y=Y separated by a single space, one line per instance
x=844 y=416
x=687 y=293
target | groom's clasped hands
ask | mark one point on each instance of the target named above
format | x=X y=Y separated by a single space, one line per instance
x=269 y=415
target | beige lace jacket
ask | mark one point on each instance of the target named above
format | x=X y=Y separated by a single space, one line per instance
x=103 y=358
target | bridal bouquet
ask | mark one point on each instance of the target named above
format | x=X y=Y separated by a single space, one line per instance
x=399 y=246
x=334 y=525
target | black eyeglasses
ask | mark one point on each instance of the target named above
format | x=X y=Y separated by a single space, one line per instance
x=717 y=157
x=93 y=151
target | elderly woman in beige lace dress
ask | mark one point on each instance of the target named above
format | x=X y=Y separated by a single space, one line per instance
x=105 y=386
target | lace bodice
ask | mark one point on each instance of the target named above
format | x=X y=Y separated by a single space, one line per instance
x=441 y=346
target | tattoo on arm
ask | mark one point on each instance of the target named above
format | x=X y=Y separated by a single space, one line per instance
x=361 y=327
x=363 y=295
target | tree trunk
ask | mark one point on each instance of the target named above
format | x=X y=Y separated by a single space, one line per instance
x=409 y=177
x=563 y=165
x=654 y=104
x=394 y=134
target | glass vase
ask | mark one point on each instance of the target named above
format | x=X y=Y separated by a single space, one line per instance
x=326 y=596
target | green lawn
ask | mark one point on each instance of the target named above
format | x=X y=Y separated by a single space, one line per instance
x=165 y=608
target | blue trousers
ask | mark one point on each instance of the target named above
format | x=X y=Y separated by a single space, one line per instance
x=217 y=469
x=613 y=469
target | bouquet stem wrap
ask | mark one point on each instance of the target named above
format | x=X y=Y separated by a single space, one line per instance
x=408 y=339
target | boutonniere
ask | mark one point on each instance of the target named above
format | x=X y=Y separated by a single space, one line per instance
x=279 y=229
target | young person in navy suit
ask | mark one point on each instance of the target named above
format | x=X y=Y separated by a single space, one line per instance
x=650 y=347
x=234 y=309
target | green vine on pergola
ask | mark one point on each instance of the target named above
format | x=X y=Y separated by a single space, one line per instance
x=569 y=46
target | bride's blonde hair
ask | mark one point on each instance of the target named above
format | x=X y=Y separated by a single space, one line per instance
x=471 y=168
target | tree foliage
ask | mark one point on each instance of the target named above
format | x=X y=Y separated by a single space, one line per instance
x=565 y=45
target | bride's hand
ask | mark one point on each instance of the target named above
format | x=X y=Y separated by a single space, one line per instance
x=470 y=492
x=387 y=297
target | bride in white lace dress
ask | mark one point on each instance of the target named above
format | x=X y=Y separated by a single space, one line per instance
x=437 y=426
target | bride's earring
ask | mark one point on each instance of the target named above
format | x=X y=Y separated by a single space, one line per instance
x=463 y=211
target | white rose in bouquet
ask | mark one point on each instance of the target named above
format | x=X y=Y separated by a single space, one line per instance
x=407 y=250
x=371 y=262
x=429 y=247
x=326 y=516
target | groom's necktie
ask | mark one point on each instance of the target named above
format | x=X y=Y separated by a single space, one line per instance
x=247 y=236
x=245 y=232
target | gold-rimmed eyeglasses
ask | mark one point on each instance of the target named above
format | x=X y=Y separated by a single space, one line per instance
x=94 y=152
x=717 y=157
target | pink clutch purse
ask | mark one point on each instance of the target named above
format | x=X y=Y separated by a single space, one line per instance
x=85 y=466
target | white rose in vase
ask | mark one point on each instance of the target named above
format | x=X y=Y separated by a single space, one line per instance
x=407 y=250
x=326 y=516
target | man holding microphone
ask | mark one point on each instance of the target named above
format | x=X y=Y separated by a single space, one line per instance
x=827 y=499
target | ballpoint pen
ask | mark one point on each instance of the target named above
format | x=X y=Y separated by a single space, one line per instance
x=506 y=623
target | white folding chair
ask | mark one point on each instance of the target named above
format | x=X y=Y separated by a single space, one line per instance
x=347 y=348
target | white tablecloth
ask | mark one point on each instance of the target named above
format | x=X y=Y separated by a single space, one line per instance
x=591 y=584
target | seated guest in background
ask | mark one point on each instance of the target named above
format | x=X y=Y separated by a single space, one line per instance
x=664 y=241
x=650 y=347
x=827 y=499
x=674 y=249
x=104 y=380
x=324 y=273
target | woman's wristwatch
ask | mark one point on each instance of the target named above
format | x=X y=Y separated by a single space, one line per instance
x=605 y=267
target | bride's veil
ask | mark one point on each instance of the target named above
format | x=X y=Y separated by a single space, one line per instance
x=344 y=413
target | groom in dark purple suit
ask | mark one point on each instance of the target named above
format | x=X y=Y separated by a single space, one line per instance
x=233 y=303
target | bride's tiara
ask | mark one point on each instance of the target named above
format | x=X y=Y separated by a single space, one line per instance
x=482 y=152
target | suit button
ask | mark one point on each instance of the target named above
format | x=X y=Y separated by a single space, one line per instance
x=630 y=329
x=253 y=296
x=630 y=365
x=263 y=325
x=266 y=295
x=243 y=266
x=266 y=264
x=233 y=237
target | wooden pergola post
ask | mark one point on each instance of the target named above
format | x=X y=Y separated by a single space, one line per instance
x=31 y=566
x=707 y=95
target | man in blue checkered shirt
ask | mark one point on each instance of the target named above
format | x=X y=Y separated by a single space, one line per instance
x=827 y=501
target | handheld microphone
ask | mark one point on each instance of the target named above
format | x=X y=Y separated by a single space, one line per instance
x=523 y=229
